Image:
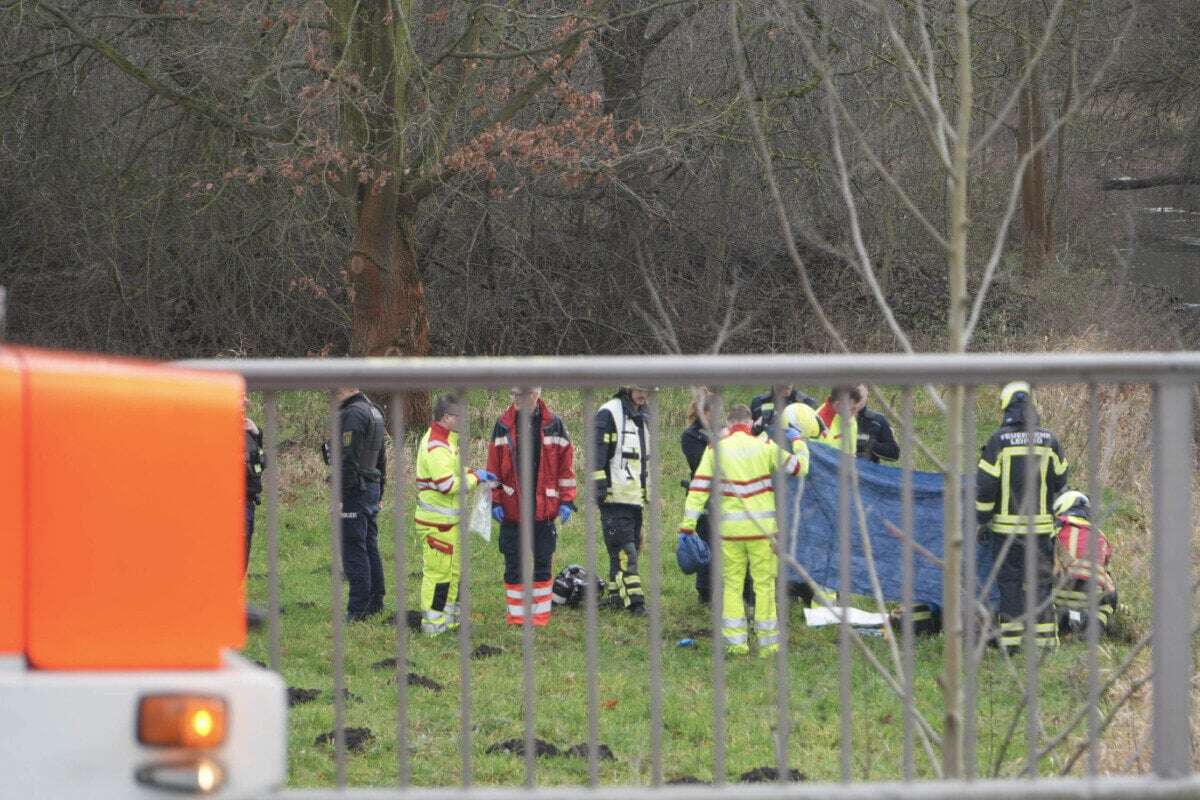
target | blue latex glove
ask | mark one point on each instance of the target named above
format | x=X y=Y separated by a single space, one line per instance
x=564 y=514
x=498 y=513
x=483 y=475
x=793 y=434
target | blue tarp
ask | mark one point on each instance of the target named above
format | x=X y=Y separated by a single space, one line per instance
x=814 y=537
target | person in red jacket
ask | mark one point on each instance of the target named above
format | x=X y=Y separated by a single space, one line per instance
x=554 y=497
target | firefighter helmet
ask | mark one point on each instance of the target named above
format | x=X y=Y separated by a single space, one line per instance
x=570 y=586
x=1067 y=501
x=802 y=417
x=1013 y=391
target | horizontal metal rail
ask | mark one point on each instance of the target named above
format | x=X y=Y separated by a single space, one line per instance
x=1109 y=788
x=900 y=370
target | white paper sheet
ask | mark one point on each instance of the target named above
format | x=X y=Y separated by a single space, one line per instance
x=817 y=617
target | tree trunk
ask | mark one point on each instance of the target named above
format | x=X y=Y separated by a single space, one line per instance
x=952 y=543
x=1035 y=211
x=389 y=316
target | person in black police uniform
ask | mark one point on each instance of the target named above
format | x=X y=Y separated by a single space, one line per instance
x=693 y=442
x=998 y=503
x=255 y=462
x=364 y=467
x=876 y=441
x=779 y=396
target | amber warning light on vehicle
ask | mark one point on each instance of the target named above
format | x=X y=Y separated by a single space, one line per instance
x=178 y=720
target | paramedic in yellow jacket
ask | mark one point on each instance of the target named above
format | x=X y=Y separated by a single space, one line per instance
x=747 y=526
x=439 y=469
x=830 y=413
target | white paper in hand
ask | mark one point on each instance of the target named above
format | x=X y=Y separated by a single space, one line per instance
x=481 y=510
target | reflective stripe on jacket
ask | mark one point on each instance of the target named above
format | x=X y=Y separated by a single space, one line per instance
x=1000 y=482
x=747 y=485
x=622 y=453
x=438 y=467
x=832 y=435
x=555 y=480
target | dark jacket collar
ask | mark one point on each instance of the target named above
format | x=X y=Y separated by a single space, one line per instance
x=357 y=397
x=1020 y=414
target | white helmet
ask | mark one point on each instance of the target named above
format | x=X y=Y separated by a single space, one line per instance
x=1069 y=500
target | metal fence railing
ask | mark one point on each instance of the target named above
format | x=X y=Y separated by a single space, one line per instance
x=1173 y=378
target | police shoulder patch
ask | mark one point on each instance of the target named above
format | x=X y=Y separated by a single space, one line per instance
x=347 y=436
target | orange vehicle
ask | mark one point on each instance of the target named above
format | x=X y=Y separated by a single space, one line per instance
x=121 y=598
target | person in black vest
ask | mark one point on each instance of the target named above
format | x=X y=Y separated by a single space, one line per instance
x=779 y=396
x=255 y=463
x=876 y=440
x=364 y=468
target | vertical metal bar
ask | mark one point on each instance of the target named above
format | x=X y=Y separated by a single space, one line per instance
x=337 y=616
x=717 y=594
x=844 y=666
x=525 y=493
x=1172 y=659
x=1029 y=637
x=970 y=586
x=464 y=595
x=400 y=582
x=591 y=595
x=906 y=577
x=779 y=478
x=271 y=433
x=655 y=627
x=1096 y=498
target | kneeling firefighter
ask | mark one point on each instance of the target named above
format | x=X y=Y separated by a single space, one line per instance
x=436 y=517
x=1072 y=515
x=1016 y=522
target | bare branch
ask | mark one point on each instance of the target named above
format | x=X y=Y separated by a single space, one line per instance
x=1015 y=190
x=1031 y=64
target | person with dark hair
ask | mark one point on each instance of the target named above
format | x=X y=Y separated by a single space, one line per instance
x=779 y=396
x=619 y=474
x=552 y=476
x=748 y=527
x=255 y=463
x=876 y=441
x=436 y=517
x=363 y=469
x=830 y=414
x=1016 y=520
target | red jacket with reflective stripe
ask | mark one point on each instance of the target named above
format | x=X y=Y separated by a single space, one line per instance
x=556 y=469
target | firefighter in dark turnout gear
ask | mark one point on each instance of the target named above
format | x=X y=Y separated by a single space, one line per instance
x=778 y=397
x=1072 y=515
x=363 y=470
x=999 y=504
x=622 y=450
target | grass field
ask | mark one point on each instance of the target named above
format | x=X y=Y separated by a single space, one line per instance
x=561 y=689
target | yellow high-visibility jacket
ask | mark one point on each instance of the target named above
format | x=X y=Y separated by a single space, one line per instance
x=438 y=485
x=747 y=484
x=832 y=434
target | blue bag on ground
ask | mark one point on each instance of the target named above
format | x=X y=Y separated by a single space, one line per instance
x=691 y=553
x=814 y=536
